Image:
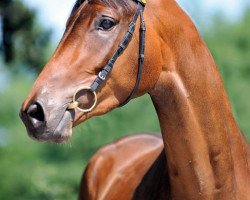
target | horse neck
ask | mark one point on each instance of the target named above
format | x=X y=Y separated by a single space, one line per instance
x=206 y=152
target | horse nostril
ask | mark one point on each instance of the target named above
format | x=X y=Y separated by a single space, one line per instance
x=35 y=111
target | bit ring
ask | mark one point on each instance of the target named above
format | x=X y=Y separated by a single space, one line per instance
x=75 y=105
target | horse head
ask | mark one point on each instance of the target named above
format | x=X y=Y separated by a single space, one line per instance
x=77 y=83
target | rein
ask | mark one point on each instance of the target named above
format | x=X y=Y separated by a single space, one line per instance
x=103 y=74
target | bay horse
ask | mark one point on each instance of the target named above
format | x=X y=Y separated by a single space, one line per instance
x=119 y=170
x=94 y=70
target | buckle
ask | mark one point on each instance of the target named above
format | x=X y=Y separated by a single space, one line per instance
x=102 y=77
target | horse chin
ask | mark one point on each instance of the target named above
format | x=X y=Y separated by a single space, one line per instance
x=61 y=134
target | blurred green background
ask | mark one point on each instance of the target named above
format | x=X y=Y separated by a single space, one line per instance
x=32 y=170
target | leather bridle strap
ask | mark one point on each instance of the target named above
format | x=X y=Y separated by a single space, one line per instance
x=123 y=45
x=140 y=59
x=102 y=76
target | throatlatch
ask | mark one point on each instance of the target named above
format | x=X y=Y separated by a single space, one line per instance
x=102 y=76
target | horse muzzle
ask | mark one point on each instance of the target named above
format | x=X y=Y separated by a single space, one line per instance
x=57 y=129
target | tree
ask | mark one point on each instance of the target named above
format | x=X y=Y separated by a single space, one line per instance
x=24 y=39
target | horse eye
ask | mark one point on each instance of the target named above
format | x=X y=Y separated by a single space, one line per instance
x=106 y=24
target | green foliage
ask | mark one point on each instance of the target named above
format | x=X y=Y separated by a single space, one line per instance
x=25 y=41
x=32 y=170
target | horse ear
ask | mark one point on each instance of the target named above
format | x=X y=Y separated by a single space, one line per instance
x=77 y=4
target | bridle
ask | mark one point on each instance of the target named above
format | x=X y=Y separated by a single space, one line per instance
x=103 y=74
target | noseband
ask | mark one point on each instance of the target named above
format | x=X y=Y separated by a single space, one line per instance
x=102 y=76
